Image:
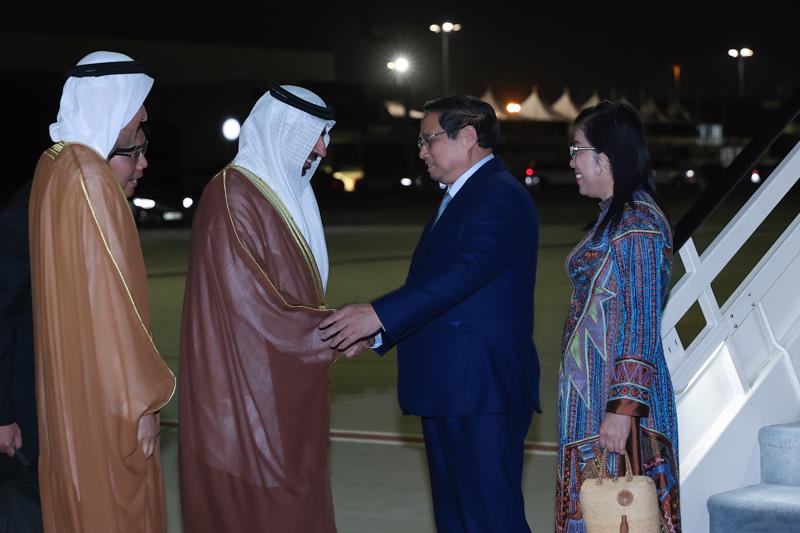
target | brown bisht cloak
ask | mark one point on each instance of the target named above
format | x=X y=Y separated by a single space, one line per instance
x=97 y=369
x=253 y=428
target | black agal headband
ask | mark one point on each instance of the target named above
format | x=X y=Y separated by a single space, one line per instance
x=279 y=93
x=106 y=69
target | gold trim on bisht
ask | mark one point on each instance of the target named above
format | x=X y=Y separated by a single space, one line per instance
x=125 y=285
x=297 y=235
x=54 y=151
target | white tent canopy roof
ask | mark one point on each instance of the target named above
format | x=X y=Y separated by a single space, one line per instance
x=532 y=108
x=675 y=111
x=650 y=112
x=563 y=109
x=489 y=98
x=564 y=106
x=592 y=101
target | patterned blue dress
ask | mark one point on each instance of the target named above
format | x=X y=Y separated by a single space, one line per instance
x=612 y=358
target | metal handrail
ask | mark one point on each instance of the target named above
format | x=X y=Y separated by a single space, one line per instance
x=737 y=170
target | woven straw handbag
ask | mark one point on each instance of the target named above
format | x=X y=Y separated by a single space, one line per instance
x=620 y=505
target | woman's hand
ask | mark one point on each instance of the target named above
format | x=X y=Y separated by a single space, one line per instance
x=614 y=432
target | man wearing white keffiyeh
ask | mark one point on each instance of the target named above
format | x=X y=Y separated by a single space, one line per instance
x=100 y=380
x=254 y=405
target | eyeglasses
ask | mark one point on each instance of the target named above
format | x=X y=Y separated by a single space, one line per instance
x=574 y=149
x=134 y=152
x=426 y=140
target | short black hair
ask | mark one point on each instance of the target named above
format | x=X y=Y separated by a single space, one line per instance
x=458 y=112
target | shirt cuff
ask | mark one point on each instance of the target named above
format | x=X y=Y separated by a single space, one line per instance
x=378 y=341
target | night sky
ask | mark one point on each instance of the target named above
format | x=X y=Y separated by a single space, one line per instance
x=505 y=46
x=511 y=48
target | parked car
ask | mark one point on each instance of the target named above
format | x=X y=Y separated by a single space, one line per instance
x=532 y=177
x=151 y=212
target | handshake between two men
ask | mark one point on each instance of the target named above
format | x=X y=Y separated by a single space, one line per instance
x=351 y=329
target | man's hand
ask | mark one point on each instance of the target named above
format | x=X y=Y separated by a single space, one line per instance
x=358 y=348
x=614 y=432
x=148 y=434
x=349 y=325
x=10 y=439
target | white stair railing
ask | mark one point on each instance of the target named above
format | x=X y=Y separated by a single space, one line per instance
x=742 y=371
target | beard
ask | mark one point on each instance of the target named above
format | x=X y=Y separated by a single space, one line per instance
x=309 y=161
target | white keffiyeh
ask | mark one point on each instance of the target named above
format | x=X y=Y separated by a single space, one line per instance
x=274 y=143
x=94 y=109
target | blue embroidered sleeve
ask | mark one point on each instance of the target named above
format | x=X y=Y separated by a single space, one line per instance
x=637 y=335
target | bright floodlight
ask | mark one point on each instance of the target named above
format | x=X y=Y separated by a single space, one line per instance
x=187 y=202
x=733 y=52
x=405 y=182
x=446 y=27
x=746 y=52
x=513 y=107
x=231 y=129
x=144 y=203
x=400 y=64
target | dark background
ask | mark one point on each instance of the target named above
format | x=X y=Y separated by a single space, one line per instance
x=211 y=64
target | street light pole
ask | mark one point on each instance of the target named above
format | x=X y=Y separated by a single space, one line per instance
x=676 y=78
x=741 y=76
x=445 y=66
x=401 y=66
x=741 y=55
x=444 y=30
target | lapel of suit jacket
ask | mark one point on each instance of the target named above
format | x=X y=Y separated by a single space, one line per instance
x=456 y=204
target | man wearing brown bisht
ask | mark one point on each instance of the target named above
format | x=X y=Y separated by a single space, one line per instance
x=253 y=427
x=100 y=381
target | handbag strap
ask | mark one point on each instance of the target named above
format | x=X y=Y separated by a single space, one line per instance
x=604 y=468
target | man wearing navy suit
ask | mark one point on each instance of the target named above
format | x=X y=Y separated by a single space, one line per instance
x=463 y=323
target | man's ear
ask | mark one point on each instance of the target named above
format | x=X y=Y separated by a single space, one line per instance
x=469 y=135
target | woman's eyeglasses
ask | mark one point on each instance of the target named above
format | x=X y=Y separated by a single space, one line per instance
x=574 y=149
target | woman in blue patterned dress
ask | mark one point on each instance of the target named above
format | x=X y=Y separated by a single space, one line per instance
x=615 y=391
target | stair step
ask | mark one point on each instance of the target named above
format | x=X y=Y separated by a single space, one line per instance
x=762 y=508
x=780 y=454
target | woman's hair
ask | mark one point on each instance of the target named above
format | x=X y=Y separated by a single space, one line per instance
x=615 y=129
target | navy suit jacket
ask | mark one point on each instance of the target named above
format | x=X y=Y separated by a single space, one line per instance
x=463 y=320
